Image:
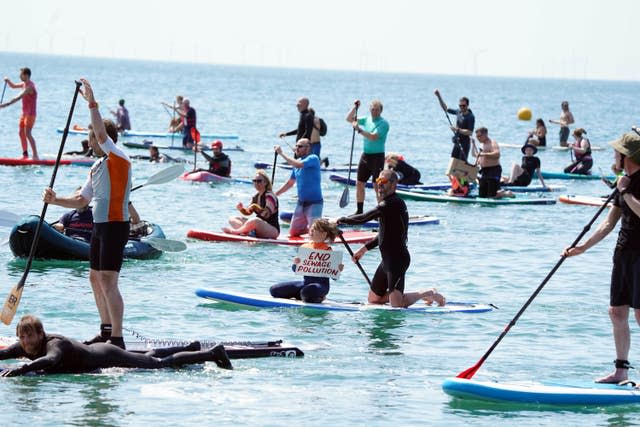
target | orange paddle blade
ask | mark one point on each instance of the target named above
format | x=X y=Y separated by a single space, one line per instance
x=469 y=373
x=11 y=304
x=195 y=134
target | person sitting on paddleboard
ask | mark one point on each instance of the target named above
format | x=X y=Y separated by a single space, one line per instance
x=538 y=136
x=582 y=152
x=387 y=285
x=408 y=174
x=56 y=354
x=311 y=289
x=521 y=175
x=265 y=205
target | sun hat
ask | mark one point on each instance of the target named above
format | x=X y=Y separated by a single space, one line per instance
x=527 y=145
x=629 y=145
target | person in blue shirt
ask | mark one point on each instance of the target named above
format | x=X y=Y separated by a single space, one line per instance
x=374 y=130
x=306 y=176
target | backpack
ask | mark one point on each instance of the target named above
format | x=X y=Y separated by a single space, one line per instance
x=323 y=127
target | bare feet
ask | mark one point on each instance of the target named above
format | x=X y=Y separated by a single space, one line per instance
x=432 y=296
x=229 y=230
x=614 y=378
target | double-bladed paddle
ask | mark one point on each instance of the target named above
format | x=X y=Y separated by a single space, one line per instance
x=13 y=299
x=469 y=373
x=160 y=177
x=195 y=135
x=344 y=199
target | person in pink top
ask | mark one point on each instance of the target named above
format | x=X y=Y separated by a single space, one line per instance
x=29 y=97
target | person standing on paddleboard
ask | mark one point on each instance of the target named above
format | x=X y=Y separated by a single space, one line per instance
x=465 y=122
x=566 y=119
x=307 y=177
x=108 y=186
x=305 y=123
x=374 y=130
x=387 y=285
x=29 y=97
x=56 y=354
x=625 y=276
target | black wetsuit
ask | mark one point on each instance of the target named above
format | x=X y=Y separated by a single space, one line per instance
x=305 y=126
x=408 y=174
x=393 y=217
x=219 y=165
x=61 y=355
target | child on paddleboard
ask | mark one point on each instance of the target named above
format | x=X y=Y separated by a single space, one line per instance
x=311 y=289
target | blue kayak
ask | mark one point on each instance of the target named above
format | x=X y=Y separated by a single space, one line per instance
x=542 y=393
x=267 y=301
x=55 y=245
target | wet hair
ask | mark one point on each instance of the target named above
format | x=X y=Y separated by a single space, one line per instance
x=29 y=323
x=26 y=70
x=265 y=177
x=327 y=227
x=579 y=132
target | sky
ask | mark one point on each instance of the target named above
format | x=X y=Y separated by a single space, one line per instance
x=587 y=39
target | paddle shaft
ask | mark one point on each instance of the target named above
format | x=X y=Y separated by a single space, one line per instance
x=346 y=245
x=273 y=172
x=344 y=199
x=468 y=374
x=3 y=89
x=446 y=114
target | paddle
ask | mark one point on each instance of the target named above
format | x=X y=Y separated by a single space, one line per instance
x=273 y=172
x=165 y=175
x=446 y=113
x=346 y=245
x=13 y=299
x=8 y=219
x=195 y=135
x=3 y=89
x=166 y=245
x=469 y=373
x=344 y=199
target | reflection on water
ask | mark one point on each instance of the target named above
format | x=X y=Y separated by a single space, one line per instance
x=380 y=330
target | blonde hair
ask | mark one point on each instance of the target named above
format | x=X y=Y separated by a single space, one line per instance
x=327 y=227
x=265 y=177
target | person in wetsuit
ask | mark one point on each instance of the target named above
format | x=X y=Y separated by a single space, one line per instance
x=388 y=281
x=407 y=174
x=56 y=354
x=305 y=123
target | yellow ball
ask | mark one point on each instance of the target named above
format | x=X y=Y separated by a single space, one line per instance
x=524 y=113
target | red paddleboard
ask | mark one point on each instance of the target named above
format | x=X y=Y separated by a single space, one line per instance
x=19 y=161
x=349 y=236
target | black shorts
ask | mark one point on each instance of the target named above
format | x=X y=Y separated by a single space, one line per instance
x=107 y=245
x=390 y=278
x=625 y=278
x=522 y=180
x=370 y=166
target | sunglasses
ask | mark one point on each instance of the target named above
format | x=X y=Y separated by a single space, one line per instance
x=256 y=181
x=302 y=146
x=382 y=181
x=462 y=105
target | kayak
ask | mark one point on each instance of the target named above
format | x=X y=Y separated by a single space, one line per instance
x=212 y=236
x=235 y=349
x=338 y=168
x=413 y=220
x=55 y=245
x=562 y=175
x=583 y=200
x=542 y=393
x=79 y=130
x=443 y=198
x=19 y=161
x=204 y=176
x=146 y=144
x=267 y=301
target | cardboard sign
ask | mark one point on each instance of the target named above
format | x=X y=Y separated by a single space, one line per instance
x=318 y=263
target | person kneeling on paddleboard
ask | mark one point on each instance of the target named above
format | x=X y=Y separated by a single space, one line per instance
x=56 y=354
x=312 y=289
x=387 y=285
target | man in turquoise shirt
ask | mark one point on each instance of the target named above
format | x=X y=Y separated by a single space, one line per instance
x=374 y=131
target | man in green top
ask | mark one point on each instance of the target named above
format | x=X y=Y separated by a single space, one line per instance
x=374 y=131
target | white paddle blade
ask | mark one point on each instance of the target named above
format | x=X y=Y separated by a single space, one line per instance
x=166 y=245
x=165 y=175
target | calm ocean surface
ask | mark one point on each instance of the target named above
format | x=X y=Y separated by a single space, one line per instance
x=370 y=368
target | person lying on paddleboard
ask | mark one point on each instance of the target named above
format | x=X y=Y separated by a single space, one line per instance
x=408 y=174
x=521 y=175
x=56 y=354
x=265 y=205
x=86 y=150
x=387 y=285
x=311 y=289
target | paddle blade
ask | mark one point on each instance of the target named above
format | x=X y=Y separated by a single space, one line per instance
x=469 y=373
x=344 y=199
x=166 y=245
x=11 y=304
x=195 y=134
x=165 y=175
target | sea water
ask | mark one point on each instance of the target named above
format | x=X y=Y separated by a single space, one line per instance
x=363 y=368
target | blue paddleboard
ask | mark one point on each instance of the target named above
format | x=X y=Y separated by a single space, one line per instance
x=542 y=393
x=267 y=301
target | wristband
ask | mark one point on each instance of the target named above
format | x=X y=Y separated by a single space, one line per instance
x=93 y=105
x=359 y=131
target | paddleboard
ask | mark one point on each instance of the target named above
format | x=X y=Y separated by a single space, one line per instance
x=349 y=236
x=439 y=186
x=562 y=175
x=19 y=161
x=336 y=168
x=146 y=144
x=443 y=198
x=534 y=188
x=413 y=220
x=552 y=393
x=547 y=147
x=79 y=130
x=235 y=349
x=267 y=301
x=204 y=176
x=583 y=200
